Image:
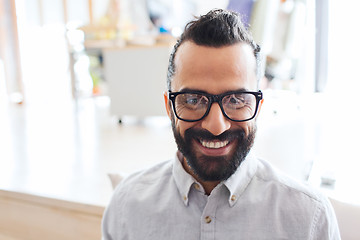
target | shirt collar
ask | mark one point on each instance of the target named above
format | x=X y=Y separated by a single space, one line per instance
x=236 y=184
x=183 y=180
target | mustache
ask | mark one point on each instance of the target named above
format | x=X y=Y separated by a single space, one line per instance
x=208 y=136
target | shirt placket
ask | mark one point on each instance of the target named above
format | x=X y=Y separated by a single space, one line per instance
x=208 y=218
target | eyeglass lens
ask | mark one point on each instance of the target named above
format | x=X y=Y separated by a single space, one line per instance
x=237 y=106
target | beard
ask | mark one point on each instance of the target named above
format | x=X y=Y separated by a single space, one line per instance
x=214 y=168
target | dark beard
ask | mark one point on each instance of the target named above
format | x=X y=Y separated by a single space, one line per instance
x=209 y=168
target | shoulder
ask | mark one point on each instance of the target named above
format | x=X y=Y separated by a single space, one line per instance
x=137 y=191
x=138 y=187
x=291 y=202
x=148 y=176
x=299 y=192
x=284 y=190
x=146 y=179
x=274 y=177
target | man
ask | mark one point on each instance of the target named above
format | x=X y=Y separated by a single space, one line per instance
x=215 y=188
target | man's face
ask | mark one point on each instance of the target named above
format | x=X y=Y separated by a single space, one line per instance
x=215 y=146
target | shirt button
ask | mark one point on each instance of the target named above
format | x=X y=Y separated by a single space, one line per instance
x=197 y=186
x=233 y=198
x=185 y=198
x=208 y=219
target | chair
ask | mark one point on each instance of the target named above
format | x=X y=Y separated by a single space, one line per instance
x=348 y=216
x=115 y=179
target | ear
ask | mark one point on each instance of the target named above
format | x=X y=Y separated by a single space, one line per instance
x=167 y=104
x=259 y=109
x=260 y=105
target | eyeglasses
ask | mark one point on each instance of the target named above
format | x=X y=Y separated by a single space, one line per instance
x=238 y=106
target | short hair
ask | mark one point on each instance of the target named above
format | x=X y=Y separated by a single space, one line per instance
x=217 y=28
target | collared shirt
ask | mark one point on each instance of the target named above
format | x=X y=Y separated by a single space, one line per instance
x=256 y=202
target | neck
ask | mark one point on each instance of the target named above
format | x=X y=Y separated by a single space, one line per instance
x=207 y=185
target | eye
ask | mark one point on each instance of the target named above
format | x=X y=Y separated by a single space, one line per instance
x=234 y=100
x=193 y=100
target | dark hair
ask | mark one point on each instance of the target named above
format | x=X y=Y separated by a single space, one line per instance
x=217 y=28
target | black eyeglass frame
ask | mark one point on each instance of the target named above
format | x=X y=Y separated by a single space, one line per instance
x=218 y=99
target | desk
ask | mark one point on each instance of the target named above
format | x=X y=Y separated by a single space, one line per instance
x=26 y=216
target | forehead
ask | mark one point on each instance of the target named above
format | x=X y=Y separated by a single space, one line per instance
x=214 y=70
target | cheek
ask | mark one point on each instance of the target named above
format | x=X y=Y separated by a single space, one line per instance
x=182 y=126
x=246 y=126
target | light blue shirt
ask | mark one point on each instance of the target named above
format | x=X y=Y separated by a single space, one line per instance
x=256 y=202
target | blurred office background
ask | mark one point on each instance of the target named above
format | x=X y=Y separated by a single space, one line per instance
x=81 y=86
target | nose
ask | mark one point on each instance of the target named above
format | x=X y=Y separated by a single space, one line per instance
x=215 y=122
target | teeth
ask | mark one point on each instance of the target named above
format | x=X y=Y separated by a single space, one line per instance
x=214 y=144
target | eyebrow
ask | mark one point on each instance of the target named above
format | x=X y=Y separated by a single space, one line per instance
x=202 y=91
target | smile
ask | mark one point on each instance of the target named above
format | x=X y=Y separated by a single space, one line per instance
x=214 y=145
